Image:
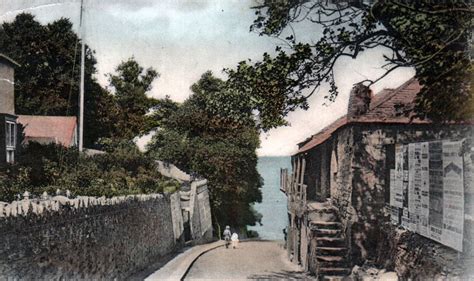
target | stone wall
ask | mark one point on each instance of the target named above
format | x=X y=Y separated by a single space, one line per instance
x=200 y=213
x=205 y=218
x=360 y=194
x=415 y=257
x=369 y=170
x=87 y=238
x=194 y=223
x=341 y=173
x=177 y=217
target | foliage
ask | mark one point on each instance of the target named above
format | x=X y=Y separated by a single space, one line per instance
x=159 y=113
x=47 y=80
x=429 y=36
x=124 y=170
x=201 y=138
x=131 y=83
x=272 y=88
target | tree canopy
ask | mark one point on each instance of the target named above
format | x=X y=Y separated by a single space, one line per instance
x=131 y=82
x=431 y=36
x=201 y=138
x=47 y=81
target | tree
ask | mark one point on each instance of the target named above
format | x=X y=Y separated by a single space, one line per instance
x=131 y=84
x=429 y=36
x=47 y=81
x=160 y=112
x=201 y=137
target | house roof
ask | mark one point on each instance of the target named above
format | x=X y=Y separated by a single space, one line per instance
x=394 y=105
x=8 y=59
x=390 y=106
x=47 y=129
x=323 y=135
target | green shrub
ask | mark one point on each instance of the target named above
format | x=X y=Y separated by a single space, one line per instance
x=123 y=170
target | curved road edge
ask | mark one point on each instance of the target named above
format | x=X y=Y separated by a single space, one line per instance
x=179 y=267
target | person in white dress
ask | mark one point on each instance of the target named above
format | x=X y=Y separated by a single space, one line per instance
x=235 y=240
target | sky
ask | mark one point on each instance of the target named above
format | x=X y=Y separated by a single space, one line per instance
x=182 y=39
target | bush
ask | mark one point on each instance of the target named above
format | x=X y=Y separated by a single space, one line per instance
x=123 y=170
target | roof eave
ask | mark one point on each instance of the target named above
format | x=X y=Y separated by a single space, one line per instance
x=10 y=60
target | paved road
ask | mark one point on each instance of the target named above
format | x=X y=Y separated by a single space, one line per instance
x=176 y=268
x=251 y=260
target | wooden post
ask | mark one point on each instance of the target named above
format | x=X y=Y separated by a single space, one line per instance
x=303 y=167
x=297 y=177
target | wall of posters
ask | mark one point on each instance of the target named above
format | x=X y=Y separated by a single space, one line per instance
x=427 y=190
x=453 y=195
x=424 y=190
x=397 y=186
x=394 y=212
x=435 y=169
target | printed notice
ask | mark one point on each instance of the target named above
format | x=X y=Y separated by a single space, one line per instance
x=392 y=185
x=397 y=187
x=435 y=169
x=405 y=215
x=393 y=204
x=424 y=190
x=453 y=195
x=427 y=190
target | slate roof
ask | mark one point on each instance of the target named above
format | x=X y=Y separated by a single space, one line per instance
x=388 y=106
x=391 y=105
x=323 y=135
x=49 y=129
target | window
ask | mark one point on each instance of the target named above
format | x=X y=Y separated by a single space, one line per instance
x=10 y=135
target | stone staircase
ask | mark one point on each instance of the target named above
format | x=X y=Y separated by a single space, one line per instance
x=331 y=251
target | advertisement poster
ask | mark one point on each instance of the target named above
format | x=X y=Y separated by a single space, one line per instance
x=394 y=210
x=435 y=171
x=397 y=187
x=405 y=178
x=453 y=195
x=425 y=189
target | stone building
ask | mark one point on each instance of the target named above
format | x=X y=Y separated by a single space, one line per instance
x=8 y=118
x=340 y=195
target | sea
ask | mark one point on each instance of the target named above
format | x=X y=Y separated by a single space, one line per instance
x=274 y=203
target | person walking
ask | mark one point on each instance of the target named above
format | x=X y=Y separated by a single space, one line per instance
x=227 y=235
x=235 y=240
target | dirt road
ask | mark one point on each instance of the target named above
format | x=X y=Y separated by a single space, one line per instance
x=251 y=260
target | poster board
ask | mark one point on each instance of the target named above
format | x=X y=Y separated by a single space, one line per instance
x=427 y=190
x=424 y=190
x=453 y=195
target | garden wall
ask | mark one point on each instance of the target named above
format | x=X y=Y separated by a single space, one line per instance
x=85 y=237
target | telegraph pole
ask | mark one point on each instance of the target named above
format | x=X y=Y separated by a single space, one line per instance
x=81 y=95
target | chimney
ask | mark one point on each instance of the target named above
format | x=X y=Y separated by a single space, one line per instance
x=359 y=101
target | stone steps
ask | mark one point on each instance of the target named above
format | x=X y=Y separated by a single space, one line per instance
x=331 y=253
x=329 y=232
x=330 y=241
x=330 y=258
x=325 y=225
x=322 y=216
x=333 y=278
x=331 y=271
x=331 y=261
